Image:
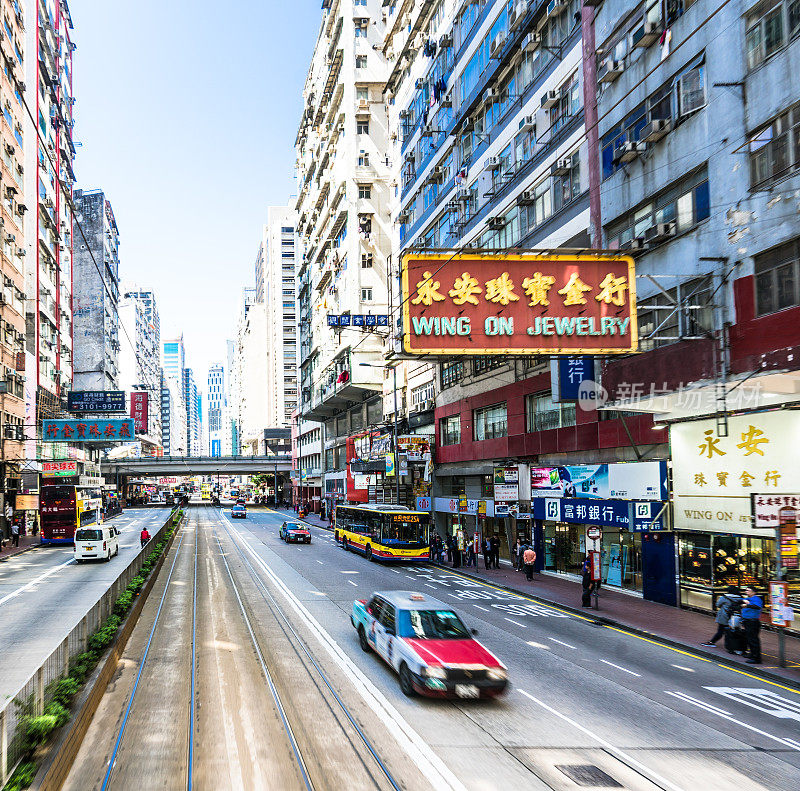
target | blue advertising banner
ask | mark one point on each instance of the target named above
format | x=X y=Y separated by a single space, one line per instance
x=216 y=447
x=621 y=514
x=89 y=430
x=97 y=401
x=644 y=480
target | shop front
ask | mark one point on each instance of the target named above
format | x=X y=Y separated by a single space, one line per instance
x=471 y=516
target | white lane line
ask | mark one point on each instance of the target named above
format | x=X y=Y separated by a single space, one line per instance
x=430 y=586
x=35 y=581
x=355 y=584
x=619 y=667
x=395 y=571
x=348 y=572
x=628 y=759
x=681 y=667
x=410 y=576
x=538 y=645
x=516 y=623
x=485 y=609
x=566 y=645
x=439 y=775
x=724 y=714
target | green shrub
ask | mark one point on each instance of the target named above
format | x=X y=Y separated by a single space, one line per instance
x=82 y=665
x=123 y=603
x=55 y=709
x=23 y=776
x=37 y=729
x=65 y=690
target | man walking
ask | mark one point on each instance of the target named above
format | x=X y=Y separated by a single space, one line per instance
x=496 y=550
x=517 y=555
x=751 y=614
x=487 y=554
x=15 y=533
x=144 y=536
x=586 y=580
x=727 y=604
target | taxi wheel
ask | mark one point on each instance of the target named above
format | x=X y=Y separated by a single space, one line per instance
x=406 y=683
x=369 y=552
x=362 y=639
x=108 y=556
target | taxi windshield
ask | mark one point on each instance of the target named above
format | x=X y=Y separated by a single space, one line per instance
x=432 y=625
x=292 y=526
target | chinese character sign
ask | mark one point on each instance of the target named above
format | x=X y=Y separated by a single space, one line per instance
x=520 y=304
x=59 y=469
x=139 y=409
x=714 y=477
x=96 y=401
x=88 y=430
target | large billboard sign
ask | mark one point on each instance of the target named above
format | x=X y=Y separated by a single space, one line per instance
x=96 y=401
x=470 y=303
x=89 y=430
x=139 y=409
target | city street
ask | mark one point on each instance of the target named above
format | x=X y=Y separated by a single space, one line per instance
x=584 y=699
x=45 y=588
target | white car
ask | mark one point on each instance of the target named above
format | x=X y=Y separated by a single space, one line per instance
x=96 y=542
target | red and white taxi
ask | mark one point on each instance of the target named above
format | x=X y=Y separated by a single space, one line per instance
x=428 y=645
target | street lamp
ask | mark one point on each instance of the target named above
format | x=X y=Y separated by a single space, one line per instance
x=394 y=431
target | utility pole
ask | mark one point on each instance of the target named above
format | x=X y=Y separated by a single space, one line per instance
x=396 y=453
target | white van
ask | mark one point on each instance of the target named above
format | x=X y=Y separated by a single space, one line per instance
x=97 y=541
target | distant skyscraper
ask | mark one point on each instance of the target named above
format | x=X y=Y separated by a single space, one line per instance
x=174 y=358
x=217 y=410
x=191 y=399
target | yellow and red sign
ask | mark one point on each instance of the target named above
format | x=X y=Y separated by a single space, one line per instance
x=470 y=303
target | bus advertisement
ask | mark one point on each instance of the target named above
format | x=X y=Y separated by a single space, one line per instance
x=383 y=532
x=66 y=508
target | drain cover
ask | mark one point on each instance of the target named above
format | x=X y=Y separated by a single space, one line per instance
x=588 y=775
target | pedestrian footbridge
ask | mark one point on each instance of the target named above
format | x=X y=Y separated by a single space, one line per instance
x=197 y=465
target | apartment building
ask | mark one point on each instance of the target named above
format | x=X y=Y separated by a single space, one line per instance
x=12 y=250
x=139 y=369
x=173 y=417
x=193 y=399
x=96 y=293
x=276 y=265
x=219 y=421
x=48 y=178
x=342 y=206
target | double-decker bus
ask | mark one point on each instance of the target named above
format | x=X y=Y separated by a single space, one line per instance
x=64 y=508
x=383 y=532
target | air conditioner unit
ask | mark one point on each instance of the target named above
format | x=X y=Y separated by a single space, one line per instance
x=496 y=223
x=419 y=83
x=445 y=41
x=526 y=198
x=491 y=163
x=497 y=44
x=531 y=42
x=363 y=104
x=561 y=167
x=646 y=34
x=426 y=405
x=655 y=130
x=628 y=151
x=463 y=196
x=637 y=243
x=447 y=101
x=527 y=124
x=517 y=14
x=453 y=205
x=609 y=70
x=409 y=157
x=554 y=7
x=491 y=95
x=659 y=232
x=403 y=217
x=437 y=173
x=10 y=238
x=550 y=99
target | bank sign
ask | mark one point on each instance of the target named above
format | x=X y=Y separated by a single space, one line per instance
x=518 y=304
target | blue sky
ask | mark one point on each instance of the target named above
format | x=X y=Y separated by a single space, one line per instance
x=187 y=114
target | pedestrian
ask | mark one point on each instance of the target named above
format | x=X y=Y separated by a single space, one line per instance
x=517 y=555
x=449 y=549
x=727 y=604
x=471 y=559
x=144 y=536
x=15 y=533
x=487 y=554
x=529 y=558
x=586 y=582
x=496 y=550
x=440 y=549
x=751 y=615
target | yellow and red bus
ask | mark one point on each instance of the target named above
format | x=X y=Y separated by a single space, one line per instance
x=383 y=532
x=64 y=508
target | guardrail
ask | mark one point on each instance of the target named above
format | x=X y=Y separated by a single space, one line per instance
x=36 y=692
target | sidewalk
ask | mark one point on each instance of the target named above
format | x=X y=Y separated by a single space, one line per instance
x=681 y=628
x=25 y=543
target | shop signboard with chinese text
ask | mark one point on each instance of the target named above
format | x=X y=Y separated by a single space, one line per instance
x=714 y=477
x=644 y=480
x=567 y=374
x=506 y=484
x=622 y=514
x=518 y=304
x=451 y=505
x=59 y=469
x=89 y=430
x=423 y=503
x=139 y=410
x=96 y=401
x=417 y=447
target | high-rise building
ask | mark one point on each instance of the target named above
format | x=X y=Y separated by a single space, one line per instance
x=232 y=398
x=49 y=175
x=250 y=392
x=12 y=249
x=193 y=403
x=278 y=254
x=344 y=194
x=96 y=293
x=219 y=438
x=174 y=358
x=139 y=356
x=173 y=417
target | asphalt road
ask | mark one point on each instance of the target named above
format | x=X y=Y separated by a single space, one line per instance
x=589 y=706
x=44 y=594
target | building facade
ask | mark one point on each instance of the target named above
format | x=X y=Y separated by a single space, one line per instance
x=193 y=400
x=218 y=418
x=173 y=417
x=96 y=294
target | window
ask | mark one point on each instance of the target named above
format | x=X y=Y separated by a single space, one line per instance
x=451 y=373
x=287 y=229
x=770 y=26
x=490 y=422
x=364 y=191
x=362 y=94
x=423 y=393
x=775 y=148
x=661 y=324
x=778 y=278
x=691 y=90
x=366 y=260
x=481 y=365
x=366 y=295
x=362 y=127
x=450 y=430
x=361 y=61
x=363 y=159
x=542 y=414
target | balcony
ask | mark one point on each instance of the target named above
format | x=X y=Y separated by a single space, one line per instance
x=342 y=383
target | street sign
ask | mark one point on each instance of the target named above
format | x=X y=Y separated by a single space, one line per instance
x=779 y=603
x=96 y=401
x=59 y=469
x=358 y=320
x=594 y=566
x=594 y=533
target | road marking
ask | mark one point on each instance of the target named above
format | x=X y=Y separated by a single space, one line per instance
x=417 y=749
x=355 y=584
x=35 y=581
x=516 y=623
x=761 y=699
x=619 y=667
x=560 y=642
x=538 y=645
x=395 y=571
x=681 y=667
x=348 y=572
x=318 y=593
x=429 y=585
x=320 y=563
x=724 y=714
x=628 y=759
x=481 y=608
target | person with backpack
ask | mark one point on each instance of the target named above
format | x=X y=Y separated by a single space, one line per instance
x=144 y=536
x=727 y=605
x=751 y=620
